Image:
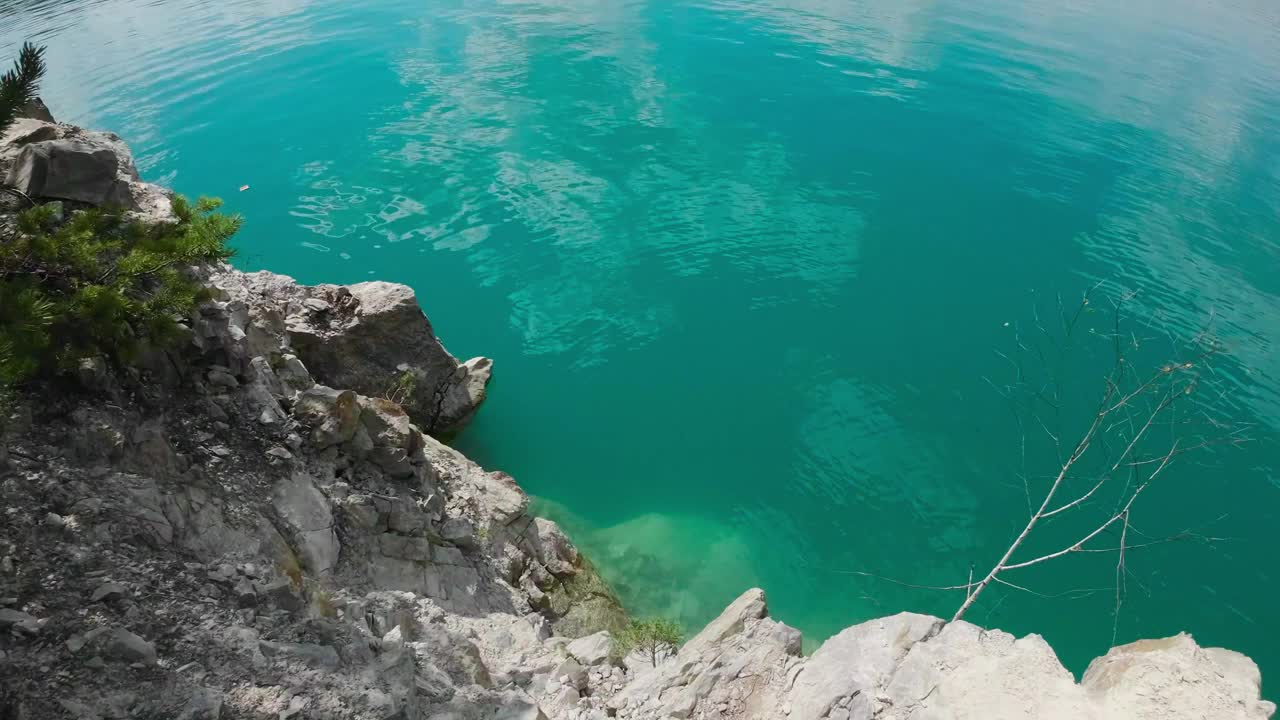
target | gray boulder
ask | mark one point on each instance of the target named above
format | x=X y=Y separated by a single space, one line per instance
x=306 y=513
x=739 y=666
x=848 y=667
x=592 y=649
x=70 y=170
x=318 y=656
x=373 y=334
x=553 y=548
x=120 y=644
x=1175 y=677
x=334 y=414
x=15 y=619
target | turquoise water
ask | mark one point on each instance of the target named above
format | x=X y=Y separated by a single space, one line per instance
x=746 y=267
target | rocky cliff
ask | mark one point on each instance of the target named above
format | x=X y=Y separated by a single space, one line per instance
x=261 y=523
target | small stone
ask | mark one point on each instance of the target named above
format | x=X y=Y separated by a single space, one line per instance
x=54 y=520
x=79 y=710
x=87 y=506
x=222 y=378
x=282 y=595
x=224 y=573
x=279 y=455
x=204 y=704
x=6 y=565
x=221 y=451
x=19 y=620
x=296 y=705
x=320 y=656
x=108 y=591
x=442 y=555
x=215 y=411
x=316 y=305
x=245 y=594
x=7 y=601
x=570 y=672
x=123 y=645
x=75 y=642
x=92 y=373
x=95 y=662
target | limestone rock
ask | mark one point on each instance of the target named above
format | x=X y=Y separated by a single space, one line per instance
x=592 y=649
x=70 y=170
x=1175 y=677
x=120 y=644
x=335 y=414
x=570 y=672
x=552 y=548
x=107 y=592
x=204 y=704
x=965 y=670
x=387 y=423
x=25 y=131
x=850 y=666
x=10 y=618
x=739 y=666
x=320 y=656
x=374 y=334
x=306 y=512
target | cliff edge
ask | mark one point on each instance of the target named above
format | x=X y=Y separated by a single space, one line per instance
x=260 y=523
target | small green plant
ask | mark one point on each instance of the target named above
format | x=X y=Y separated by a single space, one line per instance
x=401 y=389
x=19 y=85
x=288 y=564
x=655 y=638
x=100 y=284
x=322 y=604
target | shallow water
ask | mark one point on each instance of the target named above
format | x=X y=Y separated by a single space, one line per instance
x=745 y=267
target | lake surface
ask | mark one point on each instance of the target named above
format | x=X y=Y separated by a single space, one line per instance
x=754 y=273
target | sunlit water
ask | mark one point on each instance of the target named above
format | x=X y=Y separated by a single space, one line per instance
x=745 y=265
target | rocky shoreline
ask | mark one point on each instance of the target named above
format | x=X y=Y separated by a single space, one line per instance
x=262 y=523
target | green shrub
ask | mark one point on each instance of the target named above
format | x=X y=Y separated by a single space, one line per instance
x=99 y=284
x=402 y=387
x=653 y=637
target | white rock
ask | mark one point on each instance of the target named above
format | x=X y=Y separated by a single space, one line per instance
x=592 y=649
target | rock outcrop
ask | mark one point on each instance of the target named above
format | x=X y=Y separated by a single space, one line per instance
x=215 y=527
x=372 y=338
x=915 y=667
x=259 y=523
x=49 y=160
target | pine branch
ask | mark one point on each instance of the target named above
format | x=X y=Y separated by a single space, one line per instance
x=19 y=85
